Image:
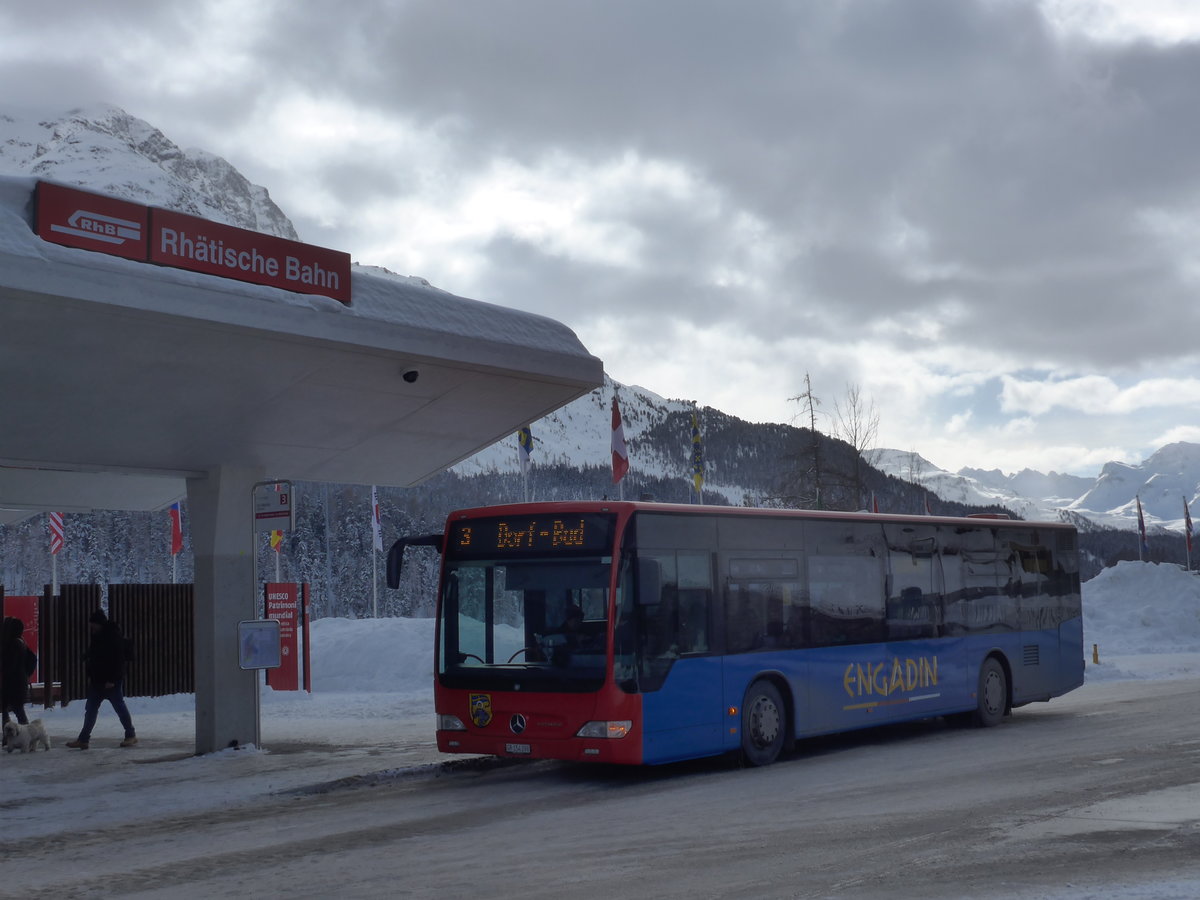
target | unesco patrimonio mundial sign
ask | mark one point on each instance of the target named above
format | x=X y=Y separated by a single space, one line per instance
x=89 y=221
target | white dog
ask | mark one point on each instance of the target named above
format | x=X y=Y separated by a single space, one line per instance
x=26 y=737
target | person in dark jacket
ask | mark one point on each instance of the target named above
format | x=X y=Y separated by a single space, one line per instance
x=14 y=670
x=106 y=679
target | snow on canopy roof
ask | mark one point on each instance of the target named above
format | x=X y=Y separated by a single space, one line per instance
x=377 y=294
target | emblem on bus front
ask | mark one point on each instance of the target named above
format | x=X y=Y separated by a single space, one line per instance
x=517 y=723
x=481 y=709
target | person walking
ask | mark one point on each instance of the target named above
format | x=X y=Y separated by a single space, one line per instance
x=106 y=679
x=15 y=670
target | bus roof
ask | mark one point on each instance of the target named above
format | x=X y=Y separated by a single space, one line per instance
x=629 y=507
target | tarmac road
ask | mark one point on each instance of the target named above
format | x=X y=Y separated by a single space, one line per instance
x=1093 y=795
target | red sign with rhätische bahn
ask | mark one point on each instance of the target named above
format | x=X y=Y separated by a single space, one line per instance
x=189 y=242
x=90 y=221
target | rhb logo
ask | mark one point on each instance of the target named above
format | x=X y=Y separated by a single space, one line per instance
x=99 y=227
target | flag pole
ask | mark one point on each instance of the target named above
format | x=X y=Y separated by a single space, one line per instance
x=524 y=458
x=523 y=464
x=376 y=546
x=1141 y=528
x=1187 y=534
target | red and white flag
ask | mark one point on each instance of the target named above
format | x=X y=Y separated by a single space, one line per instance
x=620 y=454
x=56 y=533
x=176 y=528
x=376 y=527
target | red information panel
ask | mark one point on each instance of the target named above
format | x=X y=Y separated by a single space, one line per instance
x=283 y=605
x=188 y=242
x=64 y=215
x=26 y=609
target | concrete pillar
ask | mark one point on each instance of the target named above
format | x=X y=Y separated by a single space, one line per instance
x=221 y=512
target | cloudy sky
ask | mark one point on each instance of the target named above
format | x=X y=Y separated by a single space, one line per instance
x=984 y=213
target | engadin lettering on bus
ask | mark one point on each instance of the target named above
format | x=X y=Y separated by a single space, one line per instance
x=887 y=682
x=188 y=242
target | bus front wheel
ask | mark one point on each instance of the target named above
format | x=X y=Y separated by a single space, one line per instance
x=992 y=695
x=764 y=724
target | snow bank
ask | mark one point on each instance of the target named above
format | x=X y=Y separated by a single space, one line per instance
x=372 y=655
x=1138 y=608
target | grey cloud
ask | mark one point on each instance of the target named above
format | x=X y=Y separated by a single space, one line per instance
x=1021 y=161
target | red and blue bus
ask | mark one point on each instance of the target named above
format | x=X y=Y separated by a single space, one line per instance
x=649 y=633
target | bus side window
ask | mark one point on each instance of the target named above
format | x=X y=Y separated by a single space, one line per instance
x=693 y=621
x=797 y=630
x=745 y=628
x=662 y=632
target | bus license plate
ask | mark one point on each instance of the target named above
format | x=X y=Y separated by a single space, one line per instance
x=516 y=748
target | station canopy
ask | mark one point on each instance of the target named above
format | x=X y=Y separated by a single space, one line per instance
x=122 y=378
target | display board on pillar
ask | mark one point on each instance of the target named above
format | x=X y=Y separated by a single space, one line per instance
x=274 y=506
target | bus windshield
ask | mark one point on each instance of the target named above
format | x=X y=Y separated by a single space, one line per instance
x=529 y=624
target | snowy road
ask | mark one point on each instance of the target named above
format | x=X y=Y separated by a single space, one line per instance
x=1094 y=795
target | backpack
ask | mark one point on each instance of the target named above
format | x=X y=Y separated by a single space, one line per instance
x=30 y=662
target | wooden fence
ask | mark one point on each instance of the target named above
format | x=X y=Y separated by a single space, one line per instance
x=157 y=619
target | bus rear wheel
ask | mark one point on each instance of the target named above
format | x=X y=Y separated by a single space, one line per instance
x=764 y=724
x=992 y=695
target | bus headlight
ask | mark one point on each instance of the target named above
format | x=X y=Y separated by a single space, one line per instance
x=450 y=723
x=605 y=729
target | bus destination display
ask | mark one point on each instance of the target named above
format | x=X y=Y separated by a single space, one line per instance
x=537 y=534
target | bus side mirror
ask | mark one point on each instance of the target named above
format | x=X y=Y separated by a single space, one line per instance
x=395 y=558
x=649 y=583
x=395 y=561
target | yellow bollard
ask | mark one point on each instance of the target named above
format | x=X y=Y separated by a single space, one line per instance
x=1096 y=654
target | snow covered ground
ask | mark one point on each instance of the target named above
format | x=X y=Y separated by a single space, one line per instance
x=370 y=716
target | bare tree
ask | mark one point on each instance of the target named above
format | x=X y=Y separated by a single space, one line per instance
x=856 y=422
x=915 y=464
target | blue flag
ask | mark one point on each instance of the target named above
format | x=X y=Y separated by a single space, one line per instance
x=525 y=448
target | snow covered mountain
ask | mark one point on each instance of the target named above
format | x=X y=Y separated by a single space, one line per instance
x=580 y=434
x=962 y=487
x=1163 y=482
x=104 y=149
